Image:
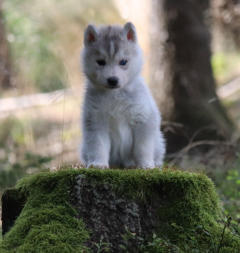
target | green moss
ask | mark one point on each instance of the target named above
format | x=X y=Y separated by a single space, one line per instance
x=47 y=222
x=187 y=209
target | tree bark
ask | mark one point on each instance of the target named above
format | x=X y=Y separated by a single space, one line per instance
x=5 y=63
x=186 y=91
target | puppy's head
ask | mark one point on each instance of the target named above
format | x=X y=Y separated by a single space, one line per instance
x=111 y=55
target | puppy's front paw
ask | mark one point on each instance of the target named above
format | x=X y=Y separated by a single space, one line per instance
x=96 y=165
x=146 y=165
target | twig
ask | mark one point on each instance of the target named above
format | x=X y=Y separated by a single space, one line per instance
x=229 y=88
x=186 y=149
x=226 y=225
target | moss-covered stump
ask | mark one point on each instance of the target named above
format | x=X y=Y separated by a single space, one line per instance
x=114 y=211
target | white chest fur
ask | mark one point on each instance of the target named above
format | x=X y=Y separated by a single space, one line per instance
x=121 y=129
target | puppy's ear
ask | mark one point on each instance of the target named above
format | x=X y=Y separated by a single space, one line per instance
x=130 y=32
x=90 y=35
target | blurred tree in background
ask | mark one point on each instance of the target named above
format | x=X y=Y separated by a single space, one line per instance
x=45 y=39
x=5 y=65
x=36 y=63
x=187 y=95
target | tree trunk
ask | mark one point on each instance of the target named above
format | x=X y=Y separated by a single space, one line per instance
x=5 y=66
x=186 y=90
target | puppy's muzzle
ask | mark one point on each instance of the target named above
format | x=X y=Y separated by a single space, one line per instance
x=112 y=82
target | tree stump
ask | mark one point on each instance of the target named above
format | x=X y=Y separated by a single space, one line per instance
x=113 y=211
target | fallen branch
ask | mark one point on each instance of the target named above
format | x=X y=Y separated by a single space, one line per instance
x=8 y=105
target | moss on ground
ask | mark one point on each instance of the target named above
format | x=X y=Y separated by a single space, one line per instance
x=187 y=209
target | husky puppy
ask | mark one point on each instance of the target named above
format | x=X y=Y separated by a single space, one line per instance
x=121 y=122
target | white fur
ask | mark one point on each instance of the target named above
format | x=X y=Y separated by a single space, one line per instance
x=121 y=126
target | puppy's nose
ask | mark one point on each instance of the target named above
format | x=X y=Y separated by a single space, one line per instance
x=112 y=81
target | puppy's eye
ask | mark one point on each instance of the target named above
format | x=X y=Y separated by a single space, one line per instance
x=101 y=62
x=123 y=62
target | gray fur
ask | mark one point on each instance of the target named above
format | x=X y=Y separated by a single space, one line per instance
x=121 y=125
